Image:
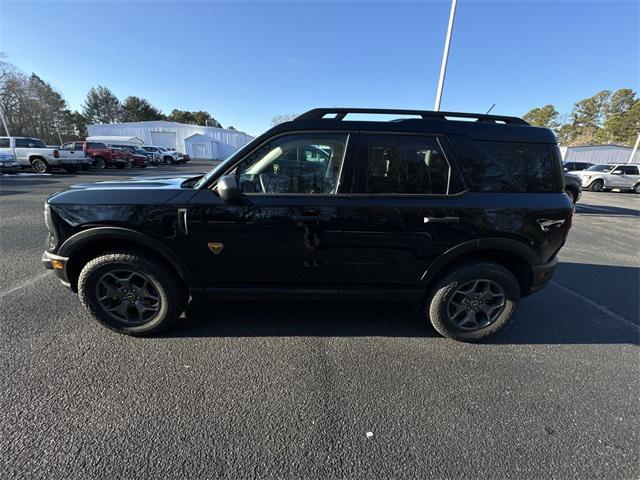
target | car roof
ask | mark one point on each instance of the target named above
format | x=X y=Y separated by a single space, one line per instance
x=475 y=125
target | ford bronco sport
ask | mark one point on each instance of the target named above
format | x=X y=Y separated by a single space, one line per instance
x=460 y=213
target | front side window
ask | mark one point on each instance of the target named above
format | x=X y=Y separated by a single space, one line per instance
x=402 y=164
x=305 y=163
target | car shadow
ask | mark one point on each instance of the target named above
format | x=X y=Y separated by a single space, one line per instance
x=586 y=209
x=553 y=316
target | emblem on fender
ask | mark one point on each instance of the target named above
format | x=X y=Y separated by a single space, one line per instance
x=215 y=247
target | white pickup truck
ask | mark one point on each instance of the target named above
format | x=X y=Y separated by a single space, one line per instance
x=34 y=153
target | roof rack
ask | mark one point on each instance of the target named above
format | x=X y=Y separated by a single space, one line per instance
x=340 y=113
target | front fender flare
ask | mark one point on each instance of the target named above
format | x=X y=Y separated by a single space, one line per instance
x=85 y=237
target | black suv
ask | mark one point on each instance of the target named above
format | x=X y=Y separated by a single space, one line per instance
x=462 y=213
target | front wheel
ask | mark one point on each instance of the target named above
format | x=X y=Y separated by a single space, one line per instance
x=473 y=301
x=99 y=163
x=40 y=165
x=168 y=160
x=596 y=186
x=131 y=293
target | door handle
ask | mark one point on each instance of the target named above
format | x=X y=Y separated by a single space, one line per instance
x=441 y=219
x=182 y=221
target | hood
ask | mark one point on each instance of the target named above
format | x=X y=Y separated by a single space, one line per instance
x=143 y=189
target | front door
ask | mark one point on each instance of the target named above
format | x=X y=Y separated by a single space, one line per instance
x=399 y=217
x=286 y=235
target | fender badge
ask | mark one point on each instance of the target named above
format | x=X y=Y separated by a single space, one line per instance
x=215 y=247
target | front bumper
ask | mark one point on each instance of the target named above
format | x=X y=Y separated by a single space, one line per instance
x=542 y=274
x=58 y=264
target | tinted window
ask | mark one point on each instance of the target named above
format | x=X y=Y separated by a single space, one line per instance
x=5 y=143
x=507 y=166
x=402 y=164
x=29 y=143
x=631 y=170
x=298 y=163
x=600 y=168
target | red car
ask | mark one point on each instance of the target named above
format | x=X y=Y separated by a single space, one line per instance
x=139 y=159
x=101 y=155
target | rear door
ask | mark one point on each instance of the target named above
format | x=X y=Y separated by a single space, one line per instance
x=401 y=214
x=631 y=176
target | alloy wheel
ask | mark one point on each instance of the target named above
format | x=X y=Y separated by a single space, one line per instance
x=128 y=296
x=476 y=304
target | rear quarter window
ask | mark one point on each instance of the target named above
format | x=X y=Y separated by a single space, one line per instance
x=510 y=167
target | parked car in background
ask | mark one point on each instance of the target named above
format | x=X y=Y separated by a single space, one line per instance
x=572 y=187
x=573 y=166
x=99 y=154
x=139 y=159
x=606 y=177
x=168 y=157
x=34 y=153
x=321 y=208
x=8 y=163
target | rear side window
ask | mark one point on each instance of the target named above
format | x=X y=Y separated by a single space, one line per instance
x=508 y=167
x=402 y=164
x=5 y=143
x=630 y=170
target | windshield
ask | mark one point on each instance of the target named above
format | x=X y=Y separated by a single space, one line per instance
x=211 y=173
x=601 y=168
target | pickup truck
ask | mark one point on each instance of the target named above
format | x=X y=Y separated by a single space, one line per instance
x=34 y=153
x=99 y=155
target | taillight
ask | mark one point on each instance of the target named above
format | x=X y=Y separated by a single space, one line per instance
x=56 y=154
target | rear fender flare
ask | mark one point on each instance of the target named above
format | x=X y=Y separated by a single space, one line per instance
x=487 y=244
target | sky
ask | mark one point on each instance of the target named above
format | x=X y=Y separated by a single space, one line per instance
x=246 y=62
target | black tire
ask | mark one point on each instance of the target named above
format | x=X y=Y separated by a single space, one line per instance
x=99 y=163
x=572 y=195
x=439 y=301
x=636 y=189
x=172 y=297
x=71 y=169
x=596 y=186
x=168 y=160
x=40 y=165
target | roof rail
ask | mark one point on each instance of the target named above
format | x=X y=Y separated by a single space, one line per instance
x=340 y=113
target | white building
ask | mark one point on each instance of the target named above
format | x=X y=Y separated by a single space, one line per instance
x=198 y=142
x=598 y=154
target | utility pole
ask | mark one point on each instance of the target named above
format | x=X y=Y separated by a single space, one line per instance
x=635 y=149
x=445 y=55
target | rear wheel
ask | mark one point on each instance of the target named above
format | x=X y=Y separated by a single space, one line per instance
x=596 y=186
x=40 y=165
x=131 y=293
x=168 y=160
x=571 y=195
x=473 y=301
x=99 y=163
x=636 y=189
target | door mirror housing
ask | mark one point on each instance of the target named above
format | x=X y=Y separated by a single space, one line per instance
x=228 y=190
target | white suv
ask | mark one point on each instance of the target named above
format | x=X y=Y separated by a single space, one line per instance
x=606 y=177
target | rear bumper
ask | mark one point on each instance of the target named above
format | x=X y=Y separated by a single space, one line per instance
x=542 y=274
x=58 y=264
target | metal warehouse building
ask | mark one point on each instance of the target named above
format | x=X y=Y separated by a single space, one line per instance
x=198 y=142
x=598 y=154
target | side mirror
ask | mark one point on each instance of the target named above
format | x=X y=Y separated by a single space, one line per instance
x=228 y=190
x=617 y=172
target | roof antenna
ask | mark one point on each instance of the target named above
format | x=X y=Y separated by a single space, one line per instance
x=490 y=109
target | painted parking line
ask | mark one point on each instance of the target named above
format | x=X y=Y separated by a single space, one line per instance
x=597 y=306
x=24 y=284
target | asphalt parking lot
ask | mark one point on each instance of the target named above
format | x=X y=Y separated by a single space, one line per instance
x=322 y=391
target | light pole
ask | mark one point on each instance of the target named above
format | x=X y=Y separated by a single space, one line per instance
x=4 y=122
x=445 y=55
x=635 y=149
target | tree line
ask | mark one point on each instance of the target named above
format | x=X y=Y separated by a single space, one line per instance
x=32 y=107
x=606 y=117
